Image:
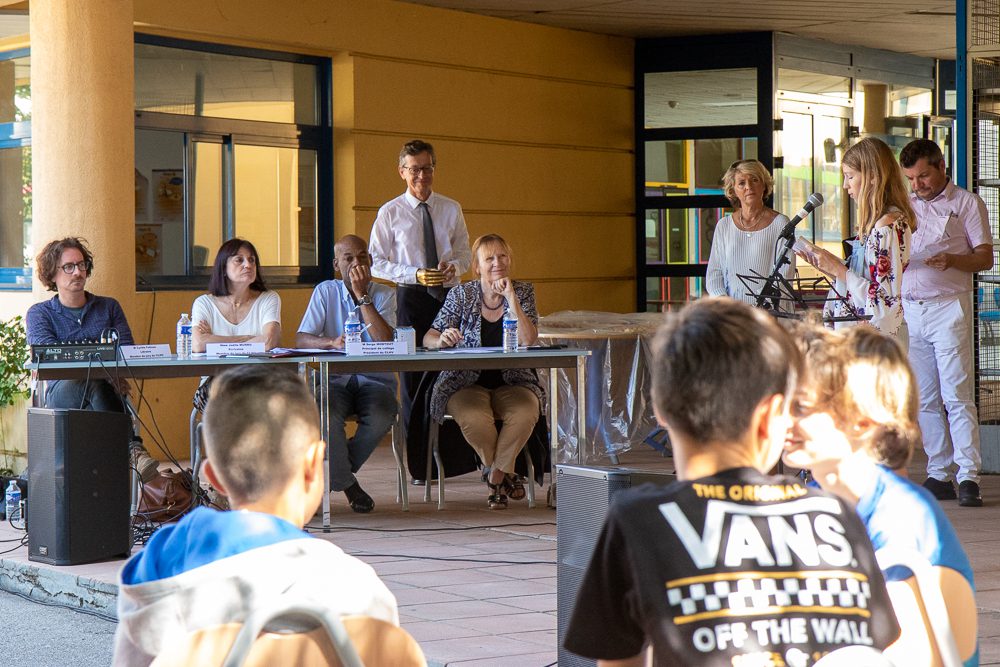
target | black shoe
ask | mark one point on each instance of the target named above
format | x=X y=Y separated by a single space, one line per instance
x=968 y=494
x=360 y=501
x=942 y=490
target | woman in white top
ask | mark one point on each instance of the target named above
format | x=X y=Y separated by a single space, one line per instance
x=238 y=308
x=745 y=241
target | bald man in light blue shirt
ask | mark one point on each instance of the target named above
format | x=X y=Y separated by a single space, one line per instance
x=372 y=397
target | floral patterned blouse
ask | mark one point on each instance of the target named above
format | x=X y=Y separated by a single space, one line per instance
x=462 y=310
x=874 y=287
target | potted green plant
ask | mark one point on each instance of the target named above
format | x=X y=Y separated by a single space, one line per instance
x=14 y=391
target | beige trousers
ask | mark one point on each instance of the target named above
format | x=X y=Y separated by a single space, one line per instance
x=476 y=410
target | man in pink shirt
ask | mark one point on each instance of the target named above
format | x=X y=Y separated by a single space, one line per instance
x=952 y=241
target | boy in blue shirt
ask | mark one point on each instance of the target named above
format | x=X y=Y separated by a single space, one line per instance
x=265 y=453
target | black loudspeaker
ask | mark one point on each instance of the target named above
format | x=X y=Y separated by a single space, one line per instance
x=78 y=473
x=584 y=495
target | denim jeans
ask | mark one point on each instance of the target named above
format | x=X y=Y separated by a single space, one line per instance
x=83 y=395
x=374 y=403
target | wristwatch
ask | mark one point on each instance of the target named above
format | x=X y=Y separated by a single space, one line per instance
x=365 y=300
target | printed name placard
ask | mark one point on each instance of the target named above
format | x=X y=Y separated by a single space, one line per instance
x=233 y=349
x=377 y=347
x=161 y=351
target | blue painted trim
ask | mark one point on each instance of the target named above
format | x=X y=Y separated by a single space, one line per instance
x=16 y=53
x=15 y=134
x=962 y=110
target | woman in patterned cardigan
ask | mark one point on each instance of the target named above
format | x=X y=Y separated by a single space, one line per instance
x=472 y=316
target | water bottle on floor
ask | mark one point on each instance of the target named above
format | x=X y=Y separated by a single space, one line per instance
x=184 y=336
x=12 y=502
x=509 y=331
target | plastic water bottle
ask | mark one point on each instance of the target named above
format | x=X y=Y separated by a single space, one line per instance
x=184 y=336
x=352 y=328
x=509 y=331
x=12 y=501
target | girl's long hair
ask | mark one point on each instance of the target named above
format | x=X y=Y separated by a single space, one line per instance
x=882 y=187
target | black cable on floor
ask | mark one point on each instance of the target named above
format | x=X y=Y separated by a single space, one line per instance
x=454 y=560
x=81 y=610
x=320 y=529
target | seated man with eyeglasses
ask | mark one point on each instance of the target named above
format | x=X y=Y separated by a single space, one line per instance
x=75 y=314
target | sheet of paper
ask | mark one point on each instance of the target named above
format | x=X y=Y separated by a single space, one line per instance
x=929 y=251
x=470 y=350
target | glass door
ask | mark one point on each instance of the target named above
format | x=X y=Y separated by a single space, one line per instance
x=811 y=143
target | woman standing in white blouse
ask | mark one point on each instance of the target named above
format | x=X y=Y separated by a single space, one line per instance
x=745 y=241
x=238 y=308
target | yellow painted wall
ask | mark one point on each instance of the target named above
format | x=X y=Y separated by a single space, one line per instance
x=533 y=128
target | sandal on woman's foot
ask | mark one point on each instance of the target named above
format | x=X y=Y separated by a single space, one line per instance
x=513 y=486
x=497 y=500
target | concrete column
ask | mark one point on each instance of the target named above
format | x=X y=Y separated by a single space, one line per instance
x=876 y=107
x=83 y=145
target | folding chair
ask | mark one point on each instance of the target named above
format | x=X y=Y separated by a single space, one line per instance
x=930 y=596
x=293 y=632
x=435 y=456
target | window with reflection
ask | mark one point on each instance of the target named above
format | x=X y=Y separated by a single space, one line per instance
x=910 y=100
x=681 y=235
x=16 y=251
x=700 y=98
x=218 y=85
x=275 y=203
x=229 y=145
x=693 y=166
x=799 y=84
x=665 y=294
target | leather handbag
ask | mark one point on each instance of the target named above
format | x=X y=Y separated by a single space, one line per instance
x=167 y=496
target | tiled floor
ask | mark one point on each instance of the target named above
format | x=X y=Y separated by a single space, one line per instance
x=474 y=586
x=478 y=587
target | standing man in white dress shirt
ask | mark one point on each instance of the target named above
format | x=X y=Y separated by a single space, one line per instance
x=953 y=233
x=420 y=242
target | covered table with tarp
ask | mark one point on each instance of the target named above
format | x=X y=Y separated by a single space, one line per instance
x=619 y=408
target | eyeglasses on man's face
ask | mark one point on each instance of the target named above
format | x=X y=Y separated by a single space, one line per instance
x=416 y=171
x=84 y=267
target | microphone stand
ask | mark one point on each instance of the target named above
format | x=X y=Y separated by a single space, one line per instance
x=771 y=290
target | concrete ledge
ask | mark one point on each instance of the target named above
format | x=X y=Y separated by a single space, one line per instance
x=50 y=586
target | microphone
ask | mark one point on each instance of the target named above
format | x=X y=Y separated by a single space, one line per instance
x=815 y=201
